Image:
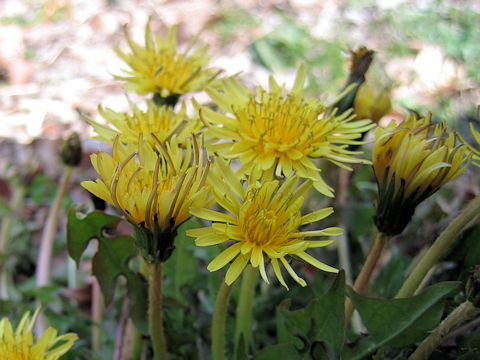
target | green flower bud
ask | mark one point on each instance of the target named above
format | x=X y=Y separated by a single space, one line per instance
x=72 y=150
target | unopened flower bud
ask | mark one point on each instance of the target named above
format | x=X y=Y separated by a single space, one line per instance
x=371 y=103
x=72 y=150
x=153 y=190
x=411 y=162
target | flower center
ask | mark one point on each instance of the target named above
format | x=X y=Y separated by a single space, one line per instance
x=278 y=124
x=175 y=72
x=15 y=351
x=159 y=121
x=267 y=221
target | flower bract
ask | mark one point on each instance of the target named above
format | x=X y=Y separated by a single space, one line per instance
x=261 y=226
x=279 y=132
x=411 y=162
x=22 y=345
x=160 y=68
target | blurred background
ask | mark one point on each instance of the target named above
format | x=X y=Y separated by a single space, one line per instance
x=57 y=64
x=57 y=58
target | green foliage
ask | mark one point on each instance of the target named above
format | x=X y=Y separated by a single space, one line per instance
x=392 y=275
x=111 y=259
x=469 y=347
x=466 y=251
x=398 y=322
x=181 y=281
x=291 y=43
x=456 y=30
x=4 y=208
x=320 y=323
x=232 y=20
x=315 y=328
x=281 y=351
x=42 y=189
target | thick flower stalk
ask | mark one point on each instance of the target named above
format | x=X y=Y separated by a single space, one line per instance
x=263 y=222
x=154 y=190
x=280 y=133
x=411 y=162
x=20 y=344
x=161 y=122
x=161 y=68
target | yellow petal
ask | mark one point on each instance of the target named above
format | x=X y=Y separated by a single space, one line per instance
x=278 y=272
x=292 y=272
x=211 y=239
x=319 y=265
x=316 y=215
x=212 y=215
x=235 y=269
x=224 y=257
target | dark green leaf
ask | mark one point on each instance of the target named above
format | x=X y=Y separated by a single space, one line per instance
x=111 y=259
x=179 y=269
x=399 y=322
x=320 y=322
x=466 y=251
x=45 y=294
x=81 y=230
x=280 y=351
x=391 y=278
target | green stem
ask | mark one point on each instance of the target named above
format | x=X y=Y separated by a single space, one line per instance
x=155 y=312
x=137 y=338
x=49 y=231
x=7 y=221
x=342 y=240
x=219 y=320
x=343 y=248
x=47 y=240
x=97 y=315
x=137 y=344
x=243 y=323
x=364 y=277
x=461 y=314
x=438 y=248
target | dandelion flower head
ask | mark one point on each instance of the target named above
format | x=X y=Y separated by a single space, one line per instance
x=154 y=189
x=280 y=133
x=263 y=223
x=411 y=162
x=160 y=68
x=20 y=344
x=161 y=121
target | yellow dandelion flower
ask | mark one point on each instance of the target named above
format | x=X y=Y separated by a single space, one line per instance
x=162 y=121
x=263 y=222
x=411 y=162
x=20 y=344
x=160 y=68
x=280 y=133
x=153 y=190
